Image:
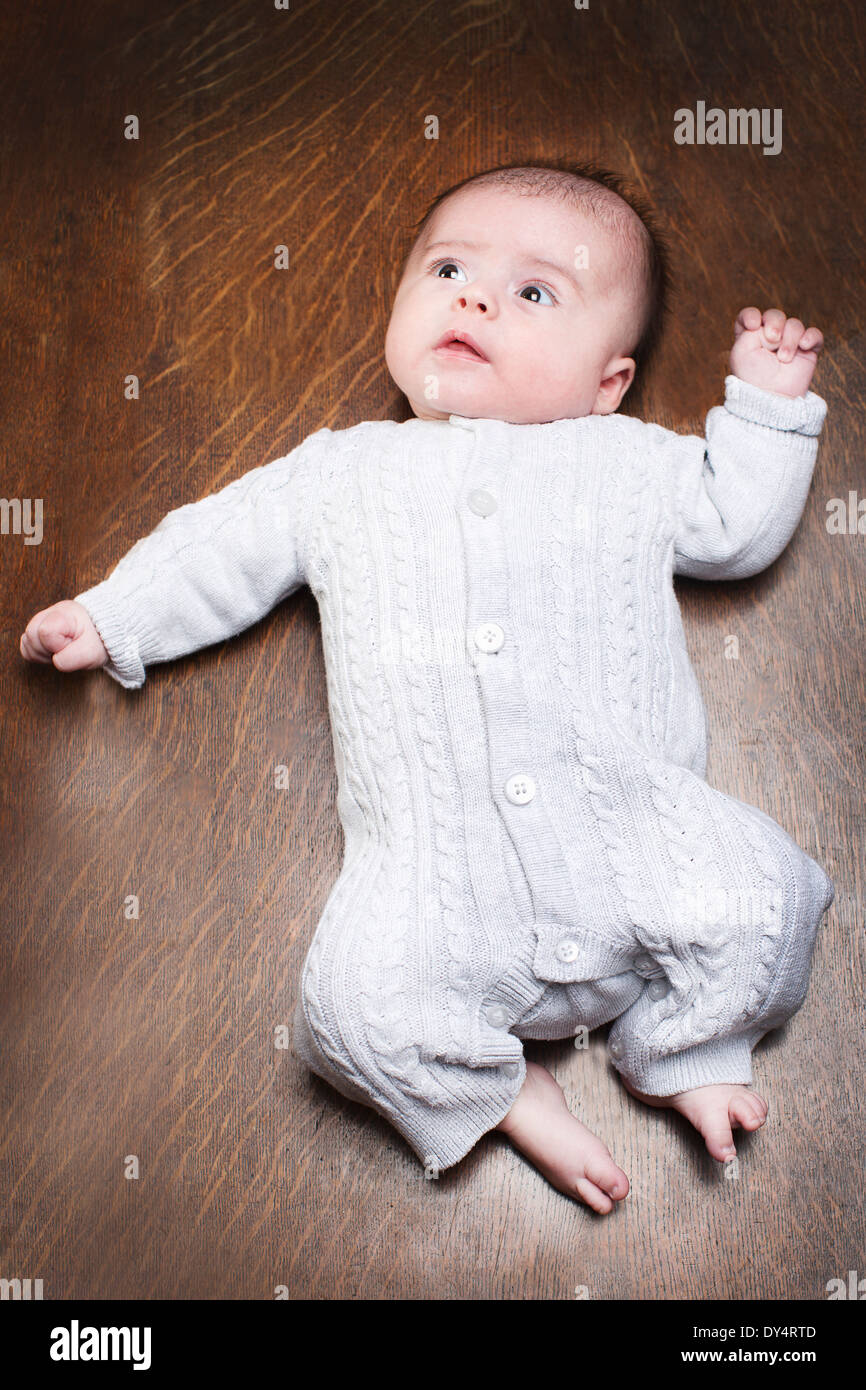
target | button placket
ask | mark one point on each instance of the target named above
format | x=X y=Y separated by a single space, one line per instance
x=658 y=989
x=567 y=950
x=519 y=789
x=489 y=637
x=513 y=779
x=481 y=502
x=497 y=1016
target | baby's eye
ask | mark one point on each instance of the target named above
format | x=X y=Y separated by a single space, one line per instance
x=541 y=290
x=439 y=266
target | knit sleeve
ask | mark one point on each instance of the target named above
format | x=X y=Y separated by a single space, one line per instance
x=740 y=492
x=209 y=569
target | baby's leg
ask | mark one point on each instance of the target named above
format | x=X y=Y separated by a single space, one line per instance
x=713 y=1110
x=569 y=1155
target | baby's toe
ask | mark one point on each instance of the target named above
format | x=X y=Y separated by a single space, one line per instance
x=716 y=1129
x=593 y=1195
x=601 y=1170
x=748 y=1110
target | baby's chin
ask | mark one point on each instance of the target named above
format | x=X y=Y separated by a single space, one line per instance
x=509 y=407
x=470 y=399
x=473 y=406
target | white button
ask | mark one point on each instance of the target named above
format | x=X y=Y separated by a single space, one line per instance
x=511 y=1068
x=657 y=989
x=644 y=962
x=616 y=1049
x=519 y=789
x=481 y=502
x=567 y=949
x=497 y=1016
x=489 y=637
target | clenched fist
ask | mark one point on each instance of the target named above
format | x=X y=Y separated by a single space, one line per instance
x=65 y=635
x=774 y=352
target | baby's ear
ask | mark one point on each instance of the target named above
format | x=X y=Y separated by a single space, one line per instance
x=618 y=377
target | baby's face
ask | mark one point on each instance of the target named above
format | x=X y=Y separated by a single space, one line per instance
x=551 y=333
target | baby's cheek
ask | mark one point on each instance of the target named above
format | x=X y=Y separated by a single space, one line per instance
x=546 y=374
x=557 y=381
x=401 y=354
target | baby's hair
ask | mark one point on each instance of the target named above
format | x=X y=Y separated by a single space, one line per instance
x=594 y=189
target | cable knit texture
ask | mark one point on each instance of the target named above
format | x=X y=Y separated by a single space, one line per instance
x=520 y=742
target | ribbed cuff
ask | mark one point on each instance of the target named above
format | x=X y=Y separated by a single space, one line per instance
x=442 y=1137
x=439 y=1136
x=799 y=414
x=705 y=1064
x=125 y=664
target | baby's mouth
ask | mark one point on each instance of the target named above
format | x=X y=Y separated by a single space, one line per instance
x=460 y=345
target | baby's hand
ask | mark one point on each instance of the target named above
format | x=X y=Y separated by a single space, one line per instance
x=64 y=634
x=774 y=352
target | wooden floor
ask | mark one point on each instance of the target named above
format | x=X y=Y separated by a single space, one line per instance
x=153 y=1036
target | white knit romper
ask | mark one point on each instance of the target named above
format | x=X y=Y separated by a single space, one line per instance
x=520 y=742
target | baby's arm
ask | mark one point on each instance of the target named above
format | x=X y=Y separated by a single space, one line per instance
x=208 y=570
x=740 y=491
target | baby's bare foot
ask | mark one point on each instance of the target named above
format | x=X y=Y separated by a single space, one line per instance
x=713 y=1110
x=569 y=1155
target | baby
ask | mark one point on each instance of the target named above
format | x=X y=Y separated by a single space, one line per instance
x=531 y=847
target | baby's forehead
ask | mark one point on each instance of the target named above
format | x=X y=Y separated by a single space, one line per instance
x=530 y=223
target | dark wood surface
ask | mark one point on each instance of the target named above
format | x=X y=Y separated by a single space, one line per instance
x=155 y=1037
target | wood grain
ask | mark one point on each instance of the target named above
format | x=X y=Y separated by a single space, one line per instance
x=154 y=1036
